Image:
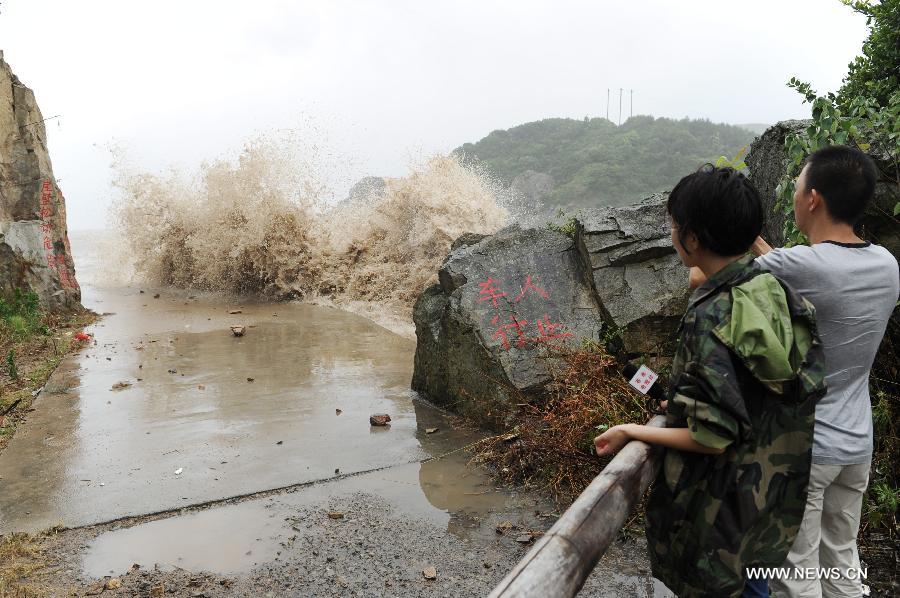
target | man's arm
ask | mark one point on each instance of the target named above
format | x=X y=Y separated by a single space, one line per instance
x=760 y=247
x=697 y=277
x=615 y=438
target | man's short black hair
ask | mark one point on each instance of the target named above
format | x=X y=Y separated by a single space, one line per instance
x=720 y=206
x=845 y=177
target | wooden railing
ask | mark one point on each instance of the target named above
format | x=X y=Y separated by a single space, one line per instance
x=560 y=561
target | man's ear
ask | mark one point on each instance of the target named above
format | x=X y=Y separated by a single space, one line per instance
x=691 y=243
x=816 y=201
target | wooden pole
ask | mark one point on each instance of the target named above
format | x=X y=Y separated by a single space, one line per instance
x=560 y=561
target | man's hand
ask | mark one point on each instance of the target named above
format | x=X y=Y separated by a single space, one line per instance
x=611 y=441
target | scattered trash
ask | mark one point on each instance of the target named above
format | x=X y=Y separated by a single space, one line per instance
x=179 y=470
x=82 y=337
x=430 y=573
x=335 y=515
x=379 y=419
x=431 y=430
x=524 y=538
x=338 y=411
x=120 y=385
x=238 y=330
x=234 y=311
x=114 y=584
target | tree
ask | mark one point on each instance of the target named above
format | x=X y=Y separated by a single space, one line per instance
x=875 y=74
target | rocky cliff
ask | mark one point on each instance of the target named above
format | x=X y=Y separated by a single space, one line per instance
x=34 y=245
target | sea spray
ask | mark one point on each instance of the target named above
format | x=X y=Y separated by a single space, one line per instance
x=260 y=224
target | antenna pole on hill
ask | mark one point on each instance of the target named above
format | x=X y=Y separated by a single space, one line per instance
x=607 y=103
x=620 y=105
x=632 y=101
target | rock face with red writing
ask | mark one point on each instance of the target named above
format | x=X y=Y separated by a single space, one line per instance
x=34 y=245
x=505 y=306
x=636 y=274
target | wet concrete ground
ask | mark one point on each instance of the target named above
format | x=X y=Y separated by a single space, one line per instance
x=192 y=428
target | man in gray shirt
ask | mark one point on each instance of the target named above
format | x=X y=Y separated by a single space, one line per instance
x=854 y=286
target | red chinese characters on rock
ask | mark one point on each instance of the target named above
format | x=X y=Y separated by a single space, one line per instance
x=530 y=286
x=55 y=261
x=489 y=292
x=503 y=330
x=514 y=329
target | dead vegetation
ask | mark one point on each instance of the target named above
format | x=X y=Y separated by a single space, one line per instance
x=551 y=448
x=23 y=563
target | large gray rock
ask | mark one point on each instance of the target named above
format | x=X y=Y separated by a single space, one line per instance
x=489 y=332
x=34 y=244
x=636 y=275
x=768 y=162
x=505 y=304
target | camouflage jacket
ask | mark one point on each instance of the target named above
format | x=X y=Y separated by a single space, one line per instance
x=746 y=376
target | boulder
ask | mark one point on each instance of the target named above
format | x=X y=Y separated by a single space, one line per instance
x=636 y=275
x=34 y=244
x=768 y=161
x=489 y=331
x=508 y=306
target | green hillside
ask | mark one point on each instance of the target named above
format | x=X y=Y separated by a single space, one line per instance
x=594 y=162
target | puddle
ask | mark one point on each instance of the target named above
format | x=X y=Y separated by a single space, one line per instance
x=234 y=538
x=228 y=540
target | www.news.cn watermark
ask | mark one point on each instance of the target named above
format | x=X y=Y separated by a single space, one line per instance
x=818 y=573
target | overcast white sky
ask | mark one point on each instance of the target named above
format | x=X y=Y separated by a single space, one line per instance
x=180 y=81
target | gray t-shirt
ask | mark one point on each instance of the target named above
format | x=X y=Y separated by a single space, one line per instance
x=854 y=288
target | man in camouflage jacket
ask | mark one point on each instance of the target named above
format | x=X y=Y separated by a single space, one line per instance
x=746 y=377
x=747 y=373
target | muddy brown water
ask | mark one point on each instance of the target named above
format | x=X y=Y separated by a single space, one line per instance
x=206 y=416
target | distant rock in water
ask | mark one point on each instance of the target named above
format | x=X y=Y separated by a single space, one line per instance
x=535 y=187
x=34 y=243
x=488 y=333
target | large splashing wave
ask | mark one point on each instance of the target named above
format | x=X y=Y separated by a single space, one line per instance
x=258 y=224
